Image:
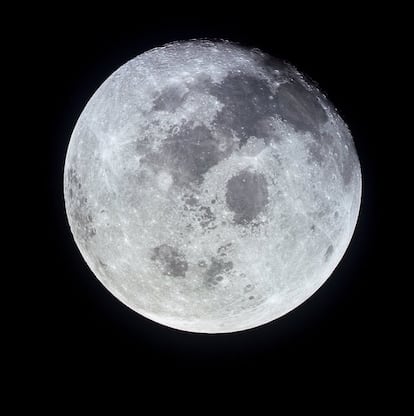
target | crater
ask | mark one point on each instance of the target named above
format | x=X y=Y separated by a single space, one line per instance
x=328 y=252
x=247 y=196
x=214 y=274
x=218 y=266
x=214 y=281
x=275 y=67
x=222 y=250
x=191 y=201
x=101 y=263
x=248 y=288
x=205 y=216
x=202 y=263
x=170 y=260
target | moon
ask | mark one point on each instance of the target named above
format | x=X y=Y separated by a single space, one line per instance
x=211 y=187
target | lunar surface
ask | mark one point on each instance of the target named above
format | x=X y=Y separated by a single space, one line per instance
x=211 y=187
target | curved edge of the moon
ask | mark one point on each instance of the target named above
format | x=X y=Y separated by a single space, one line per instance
x=208 y=327
x=205 y=326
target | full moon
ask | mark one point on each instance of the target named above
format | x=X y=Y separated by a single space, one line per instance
x=211 y=187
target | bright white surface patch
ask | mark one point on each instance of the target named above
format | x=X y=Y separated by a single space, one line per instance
x=164 y=180
x=148 y=186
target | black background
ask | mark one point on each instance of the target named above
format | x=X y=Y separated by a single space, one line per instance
x=342 y=332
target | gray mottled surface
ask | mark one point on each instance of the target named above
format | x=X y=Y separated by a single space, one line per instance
x=210 y=187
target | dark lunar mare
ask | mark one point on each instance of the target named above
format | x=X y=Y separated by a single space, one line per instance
x=79 y=207
x=300 y=108
x=247 y=195
x=248 y=101
x=171 y=261
x=170 y=99
x=187 y=154
x=198 y=287
x=216 y=269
